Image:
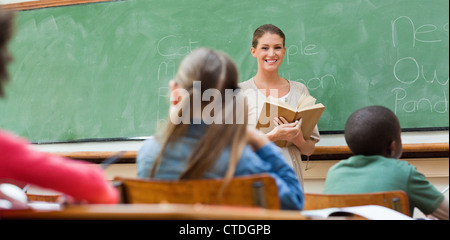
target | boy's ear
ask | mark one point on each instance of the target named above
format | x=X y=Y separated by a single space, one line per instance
x=395 y=149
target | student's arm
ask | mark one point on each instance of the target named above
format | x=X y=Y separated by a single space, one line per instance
x=425 y=196
x=289 y=187
x=442 y=211
x=80 y=180
x=269 y=159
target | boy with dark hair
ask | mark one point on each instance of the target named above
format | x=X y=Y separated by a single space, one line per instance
x=373 y=134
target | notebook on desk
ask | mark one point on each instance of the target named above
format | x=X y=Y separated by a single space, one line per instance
x=371 y=212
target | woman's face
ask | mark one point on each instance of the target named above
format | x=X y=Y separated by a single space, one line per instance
x=269 y=52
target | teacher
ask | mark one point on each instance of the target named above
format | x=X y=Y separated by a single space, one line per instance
x=268 y=47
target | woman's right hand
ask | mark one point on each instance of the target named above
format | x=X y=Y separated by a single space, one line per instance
x=284 y=130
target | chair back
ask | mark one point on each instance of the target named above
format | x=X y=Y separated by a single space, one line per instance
x=258 y=190
x=397 y=200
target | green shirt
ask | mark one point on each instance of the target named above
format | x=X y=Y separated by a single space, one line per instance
x=364 y=174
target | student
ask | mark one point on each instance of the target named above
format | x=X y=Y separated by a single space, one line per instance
x=268 y=47
x=20 y=163
x=220 y=147
x=373 y=135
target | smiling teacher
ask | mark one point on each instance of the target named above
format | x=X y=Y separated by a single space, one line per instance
x=268 y=47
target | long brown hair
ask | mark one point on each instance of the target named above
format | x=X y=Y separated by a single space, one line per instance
x=214 y=70
x=6 y=31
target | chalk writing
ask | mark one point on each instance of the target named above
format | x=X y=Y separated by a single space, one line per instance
x=171 y=47
x=417 y=33
x=307 y=50
x=418 y=69
x=422 y=104
x=318 y=82
x=314 y=83
x=408 y=70
x=167 y=46
x=167 y=68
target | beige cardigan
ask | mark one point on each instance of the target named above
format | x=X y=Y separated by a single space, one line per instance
x=256 y=101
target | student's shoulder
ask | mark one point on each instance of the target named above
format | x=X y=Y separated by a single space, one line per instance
x=400 y=167
x=149 y=145
x=402 y=164
x=8 y=137
x=10 y=142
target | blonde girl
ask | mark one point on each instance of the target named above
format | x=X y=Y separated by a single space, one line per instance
x=211 y=138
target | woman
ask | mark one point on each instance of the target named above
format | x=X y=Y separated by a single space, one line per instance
x=268 y=47
x=20 y=164
x=195 y=145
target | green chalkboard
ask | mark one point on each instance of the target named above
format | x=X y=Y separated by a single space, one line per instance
x=101 y=70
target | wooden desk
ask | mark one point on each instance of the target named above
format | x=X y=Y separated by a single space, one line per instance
x=153 y=212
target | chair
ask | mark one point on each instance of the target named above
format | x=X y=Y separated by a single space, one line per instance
x=258 y=190
x=397 y=200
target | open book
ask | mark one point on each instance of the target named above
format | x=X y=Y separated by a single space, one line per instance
x=372 y=212
x=307 y=110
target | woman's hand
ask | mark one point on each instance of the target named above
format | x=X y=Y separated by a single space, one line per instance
x=284 y=130
x=292 y=132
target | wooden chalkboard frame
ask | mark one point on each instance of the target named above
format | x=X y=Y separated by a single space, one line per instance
x=48 y=3
x=410 y=151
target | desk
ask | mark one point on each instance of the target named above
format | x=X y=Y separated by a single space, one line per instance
x=153 y=212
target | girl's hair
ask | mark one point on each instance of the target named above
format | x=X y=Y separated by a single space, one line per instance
x=213 y=70
x=267 y=28
x=6 y=31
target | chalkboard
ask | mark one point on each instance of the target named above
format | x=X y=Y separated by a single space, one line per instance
x=101 y=70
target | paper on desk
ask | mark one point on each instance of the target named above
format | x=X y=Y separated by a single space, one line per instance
x=372 y=212
x=37 y=205
x=375 y=212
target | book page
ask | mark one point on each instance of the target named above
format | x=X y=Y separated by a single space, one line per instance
x=277 y=101
x=269 y=112
x=375 y=212
x=305 y=101
x=320 y=213
x=273 y=107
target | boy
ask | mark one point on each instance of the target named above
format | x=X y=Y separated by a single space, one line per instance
x=373 y=134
